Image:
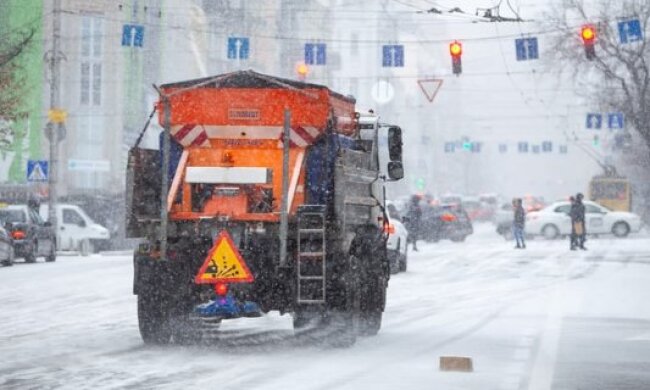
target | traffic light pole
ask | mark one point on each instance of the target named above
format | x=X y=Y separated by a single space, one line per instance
x=55 y=129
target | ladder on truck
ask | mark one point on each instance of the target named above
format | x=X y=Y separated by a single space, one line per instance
x=311 y=259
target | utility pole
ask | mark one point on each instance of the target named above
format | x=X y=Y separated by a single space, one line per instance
x=54 y=129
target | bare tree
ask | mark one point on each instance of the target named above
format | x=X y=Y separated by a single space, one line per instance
x=11 y=83
x=618 y=78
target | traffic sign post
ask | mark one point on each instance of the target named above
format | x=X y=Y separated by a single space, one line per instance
x=526 y=49
x=630 y=31
x=430 y=87
x=238 y=48
x=594 y=121
x=132 y=35
x=37 y=171
x=315 y=53
x=615 y=120
x=392 y=56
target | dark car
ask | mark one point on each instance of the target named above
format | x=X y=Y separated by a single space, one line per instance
x=6 y=248
x=447 y=221
x=31 y=236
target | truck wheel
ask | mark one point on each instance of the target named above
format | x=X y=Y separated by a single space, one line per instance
x=370 y=322
x=153 y=320
x=341 y=328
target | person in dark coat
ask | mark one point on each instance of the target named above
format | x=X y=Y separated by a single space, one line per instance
x=572 y=236
x=414 y=221
x=578 y=228
x=519 y=223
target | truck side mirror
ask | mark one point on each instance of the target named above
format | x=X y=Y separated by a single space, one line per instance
x=395 y=170
x=395 y=144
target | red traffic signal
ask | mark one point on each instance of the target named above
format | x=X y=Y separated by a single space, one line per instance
x=588 y=34
x=456 y=51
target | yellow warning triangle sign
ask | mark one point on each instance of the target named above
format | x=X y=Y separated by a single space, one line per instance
x=224 y=264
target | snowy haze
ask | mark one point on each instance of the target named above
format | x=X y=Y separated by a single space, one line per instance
x=497 y=100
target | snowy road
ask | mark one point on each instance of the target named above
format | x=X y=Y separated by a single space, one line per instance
x=541 y=318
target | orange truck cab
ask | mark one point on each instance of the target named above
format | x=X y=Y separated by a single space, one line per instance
x=225 y=198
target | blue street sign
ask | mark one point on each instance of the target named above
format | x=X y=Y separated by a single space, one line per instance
x=238 y=48
x=315 y=53
x=535 y=149
x=527 y=49
x=630 y=31
x=450 y=147
x=594 y=121
x=392 y=55
x=132 y=35
x=37 y=170
x=615 y=120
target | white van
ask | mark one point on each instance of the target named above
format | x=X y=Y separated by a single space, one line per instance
x=75 y=230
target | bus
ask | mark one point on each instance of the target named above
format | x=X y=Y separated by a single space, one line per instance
x=613 y=192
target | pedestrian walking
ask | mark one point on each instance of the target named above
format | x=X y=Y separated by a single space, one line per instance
x=572 y=237
x=578 y=228
x=414 y=221
x=519 y=223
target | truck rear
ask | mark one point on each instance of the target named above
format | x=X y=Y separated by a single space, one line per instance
x=257 y=221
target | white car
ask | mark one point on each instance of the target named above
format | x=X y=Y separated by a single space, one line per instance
x=397 y=240
x=75 y=230
x=554 y=220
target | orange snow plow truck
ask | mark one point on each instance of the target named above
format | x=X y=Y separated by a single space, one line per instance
x=266 y=194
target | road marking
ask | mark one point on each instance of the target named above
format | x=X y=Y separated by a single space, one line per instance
x=543 y=369
x=639 y=337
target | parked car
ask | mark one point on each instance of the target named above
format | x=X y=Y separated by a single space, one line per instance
x=396 y=245
x=476 y=209
x=504 y=215
x=75 y=230
x=32 y=237
x=503 y=219
x=6 y=248
x=447 y=221
x=554 y=221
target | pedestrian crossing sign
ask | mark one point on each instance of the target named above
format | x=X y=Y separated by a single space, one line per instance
x=37 y=170
x=223 y=264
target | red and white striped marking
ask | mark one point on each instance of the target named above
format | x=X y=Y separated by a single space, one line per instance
x=199 y=135
x=190 y=135
x=300 y=137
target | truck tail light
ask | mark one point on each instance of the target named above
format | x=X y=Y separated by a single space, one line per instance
x=221 y=289
x=18 y=234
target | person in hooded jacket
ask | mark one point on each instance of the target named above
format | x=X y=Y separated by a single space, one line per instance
x=578 y=228
x=519 y=223
x=414 y=221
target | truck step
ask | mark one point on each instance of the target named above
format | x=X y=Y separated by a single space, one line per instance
x=313 y=254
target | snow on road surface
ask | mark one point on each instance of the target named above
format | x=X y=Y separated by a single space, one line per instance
x=72 y=324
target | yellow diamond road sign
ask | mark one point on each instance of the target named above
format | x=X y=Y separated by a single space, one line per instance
x=57 y=115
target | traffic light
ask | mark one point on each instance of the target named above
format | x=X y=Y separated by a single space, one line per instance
x=596 y=141
x=467 y=145
x=302 y=70
x=456 y=51
x=588 y=34
x=419 y=184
